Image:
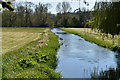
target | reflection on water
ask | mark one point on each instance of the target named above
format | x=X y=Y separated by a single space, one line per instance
x=78 y=58
x=111 y=74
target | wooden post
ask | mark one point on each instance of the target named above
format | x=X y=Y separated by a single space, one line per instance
x=113 y=39
x=119 y=39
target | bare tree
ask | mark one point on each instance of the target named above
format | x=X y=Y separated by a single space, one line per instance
x=20 y=12
x=58 y=8
x=63 y=7
x=66 y=7
x=28 y=12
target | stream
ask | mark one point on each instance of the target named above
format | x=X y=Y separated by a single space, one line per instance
x=78 y=58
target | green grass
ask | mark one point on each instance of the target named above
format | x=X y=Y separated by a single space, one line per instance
x=94 y=40
x=32 y=61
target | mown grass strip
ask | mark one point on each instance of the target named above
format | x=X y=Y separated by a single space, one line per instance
x=14 y=38
x=31 y=61
x=94 y=40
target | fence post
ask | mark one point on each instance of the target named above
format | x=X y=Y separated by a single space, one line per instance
x=119 y=39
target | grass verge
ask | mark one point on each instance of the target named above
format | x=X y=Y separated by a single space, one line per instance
x=94 y=40
x=33 y=60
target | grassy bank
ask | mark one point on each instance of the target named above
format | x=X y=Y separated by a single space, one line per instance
x=93 y=39
x=34 y=60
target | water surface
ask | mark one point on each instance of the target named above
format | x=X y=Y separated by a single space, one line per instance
x=78 y=58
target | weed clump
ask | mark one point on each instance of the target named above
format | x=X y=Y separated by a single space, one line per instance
x=43 y=58
x=61 y=38
x=26 y=63
x=115 y=48
x=39 y=58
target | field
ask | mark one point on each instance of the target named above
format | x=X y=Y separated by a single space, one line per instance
x=99 y=38
x=29 y=53
x=14 y=38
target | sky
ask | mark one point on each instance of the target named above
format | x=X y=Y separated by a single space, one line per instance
x=74 y=4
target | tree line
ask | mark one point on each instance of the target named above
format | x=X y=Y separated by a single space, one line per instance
x=67 y=19
x=28 y=14
x=106 y=17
